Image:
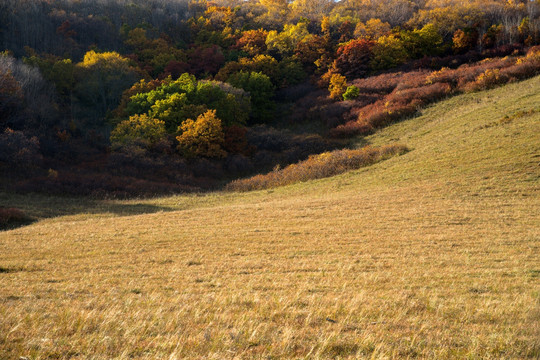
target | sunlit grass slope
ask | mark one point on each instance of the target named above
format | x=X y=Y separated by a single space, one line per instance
x=432 y=254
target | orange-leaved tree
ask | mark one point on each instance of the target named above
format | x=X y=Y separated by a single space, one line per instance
x=202 y=137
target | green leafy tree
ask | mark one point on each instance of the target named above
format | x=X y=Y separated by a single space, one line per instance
x=61 y=72
x=422 y=42
x=152 y=55
x=171 y=110
x=175 y=101
x=261 y=90
x=285 y=42
x=388 y=52
x=283 y=73
x=291 y=72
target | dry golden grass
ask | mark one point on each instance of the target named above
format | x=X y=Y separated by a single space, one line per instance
x=433 y=254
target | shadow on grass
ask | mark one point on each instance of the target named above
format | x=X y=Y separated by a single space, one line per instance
x=10 y=225
x=36 y=207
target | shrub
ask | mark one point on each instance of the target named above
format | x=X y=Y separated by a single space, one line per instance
x=412 y=79
x=399 y=95
x=351 y=93
x=380 y=84
x=282 y=146
x=521 y=70
x=350 y=129
x=139 y=130
x=488 y=79
x=202 y=137
x=235 y=140
x=103 y=185
x=419 y=95
x=12 y=216
x=380 y=116
x=19 y=150
x=318 y=166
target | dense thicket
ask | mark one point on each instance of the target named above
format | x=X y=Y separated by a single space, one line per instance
x=180 y=94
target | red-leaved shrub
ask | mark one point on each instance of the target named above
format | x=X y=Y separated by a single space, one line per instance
x=399 y=95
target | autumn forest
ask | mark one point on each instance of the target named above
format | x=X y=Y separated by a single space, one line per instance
x=121 y=98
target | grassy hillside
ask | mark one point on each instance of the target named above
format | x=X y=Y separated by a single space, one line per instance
x=432 y=254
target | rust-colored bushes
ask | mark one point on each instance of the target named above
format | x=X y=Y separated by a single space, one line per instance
x=318 y=166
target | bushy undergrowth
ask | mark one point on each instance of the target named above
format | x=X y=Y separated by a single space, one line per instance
x=133 y=170
x=19 y=151
x=398 y=95
x=12 y=217
x=101 y=185
x=318 y=166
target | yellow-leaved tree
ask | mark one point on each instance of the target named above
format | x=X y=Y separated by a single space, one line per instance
x=338 y=85
x=139 y=130
x=202 y=137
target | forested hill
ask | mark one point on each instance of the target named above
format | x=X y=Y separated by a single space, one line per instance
x=137 y=97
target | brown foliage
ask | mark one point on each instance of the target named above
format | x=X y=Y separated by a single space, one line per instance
x=19 y=151
x=206 y=59
x=174 y=69
x=353 y=57
x=235 y=140
x=418 y=95
x=11 y=97
x=313 y=48
x=464 y=40
x=11 y=217
x=380 y=84
x=101 y=185
x=252 y=41
x=318 y=166
x=399 y=95
x=351 y=128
